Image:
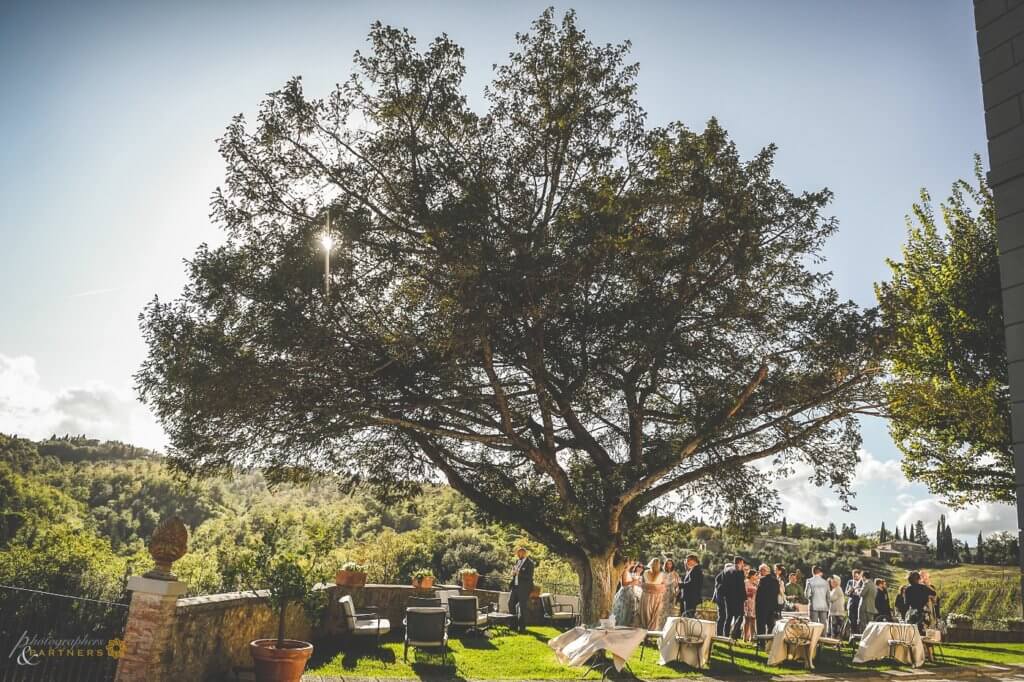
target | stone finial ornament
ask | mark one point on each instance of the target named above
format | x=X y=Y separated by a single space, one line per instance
x=168 y=544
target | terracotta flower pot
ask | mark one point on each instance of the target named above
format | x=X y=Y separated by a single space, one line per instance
x=279 y=665
x=423 y=583
x=350 y=578
x=469 y=580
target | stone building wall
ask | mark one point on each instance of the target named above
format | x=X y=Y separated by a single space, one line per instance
x=1000 y=33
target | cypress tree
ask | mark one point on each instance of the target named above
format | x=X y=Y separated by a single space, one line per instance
x=980 y=554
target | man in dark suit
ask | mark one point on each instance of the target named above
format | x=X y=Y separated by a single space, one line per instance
x=766 y=602
x=520 y=586
x=692 y=586
x=734 y=586
x=719 y=598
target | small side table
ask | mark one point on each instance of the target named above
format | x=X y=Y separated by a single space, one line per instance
x=507 y=620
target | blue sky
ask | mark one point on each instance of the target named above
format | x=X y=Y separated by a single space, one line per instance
x=110 y=111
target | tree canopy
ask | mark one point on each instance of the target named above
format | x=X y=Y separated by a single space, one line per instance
x=564 y=312
x=948 y=398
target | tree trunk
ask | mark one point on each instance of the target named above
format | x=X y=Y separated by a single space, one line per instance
x=597 y=586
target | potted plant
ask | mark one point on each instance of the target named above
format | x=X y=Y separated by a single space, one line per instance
x=469 y=577
x=706 y=610
x=282 y=659
x=350 y=574
x=422 y=579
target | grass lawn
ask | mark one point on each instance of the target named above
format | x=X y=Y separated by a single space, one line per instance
x=527 y=657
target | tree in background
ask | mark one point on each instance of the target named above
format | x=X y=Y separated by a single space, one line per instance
x=564 y=313
x=979 y=555
x=897 y=534
x=920 y=535
x=831 y=531
x=948 y=400
x=785 y=530
x=883 y=535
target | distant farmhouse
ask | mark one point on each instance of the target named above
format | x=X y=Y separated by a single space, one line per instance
x=779 y=545
x=898 y=549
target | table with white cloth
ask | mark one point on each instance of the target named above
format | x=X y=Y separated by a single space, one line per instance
x=779 y=652
x=874 y=644
x=671 y=650
x=577 y=646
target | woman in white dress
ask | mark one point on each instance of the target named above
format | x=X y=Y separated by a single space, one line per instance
x=836 y=607
x=653 y=596
x=672 y=580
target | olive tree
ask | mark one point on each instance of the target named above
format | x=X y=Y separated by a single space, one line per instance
x=565 y=313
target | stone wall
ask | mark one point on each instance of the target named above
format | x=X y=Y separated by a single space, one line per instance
x=390 y=601
x=211 y=634
x=202 y=639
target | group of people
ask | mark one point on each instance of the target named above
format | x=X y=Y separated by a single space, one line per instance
x=647 y=594
x=916 y=602
x=750 y=601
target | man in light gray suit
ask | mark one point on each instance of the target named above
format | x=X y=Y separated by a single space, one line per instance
x=816 y=592
x=868 y=610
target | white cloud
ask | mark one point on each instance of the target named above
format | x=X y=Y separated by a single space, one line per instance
x=802 y=500
x=872 y=469
x=967 y=522
x=95 y=409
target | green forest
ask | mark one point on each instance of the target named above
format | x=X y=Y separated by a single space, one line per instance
x=77 y=514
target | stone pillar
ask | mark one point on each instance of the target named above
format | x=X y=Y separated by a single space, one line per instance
x=1000 y=33
x=147 y=635
x=150 y=627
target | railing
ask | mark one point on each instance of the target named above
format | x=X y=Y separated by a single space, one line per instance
x=56 y=637
x=500 y=582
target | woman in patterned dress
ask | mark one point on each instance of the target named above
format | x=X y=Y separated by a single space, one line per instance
x=653 y=596
x=624 y=604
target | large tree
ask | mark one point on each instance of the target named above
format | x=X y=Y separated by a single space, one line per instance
x=948 y=397
x=566 y=314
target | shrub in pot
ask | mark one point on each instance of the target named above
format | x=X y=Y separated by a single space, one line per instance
x=350 y=574
x=469 y=577
x=282 y=659
x=423 y=579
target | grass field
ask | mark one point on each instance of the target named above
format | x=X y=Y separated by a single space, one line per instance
x=511 y=656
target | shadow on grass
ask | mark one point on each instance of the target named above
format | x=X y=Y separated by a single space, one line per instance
x=434 y=670
x=476 y=642
x=351 y=654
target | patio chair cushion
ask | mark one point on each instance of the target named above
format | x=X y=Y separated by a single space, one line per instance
x=372 y=626
x=561 y=615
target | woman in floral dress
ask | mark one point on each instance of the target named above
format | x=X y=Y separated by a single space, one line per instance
x=624 y=604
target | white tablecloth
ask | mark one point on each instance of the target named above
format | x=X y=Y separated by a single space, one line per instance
x=874 y=645
x=675 y=651
x=778 y=651
x=575 y=647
